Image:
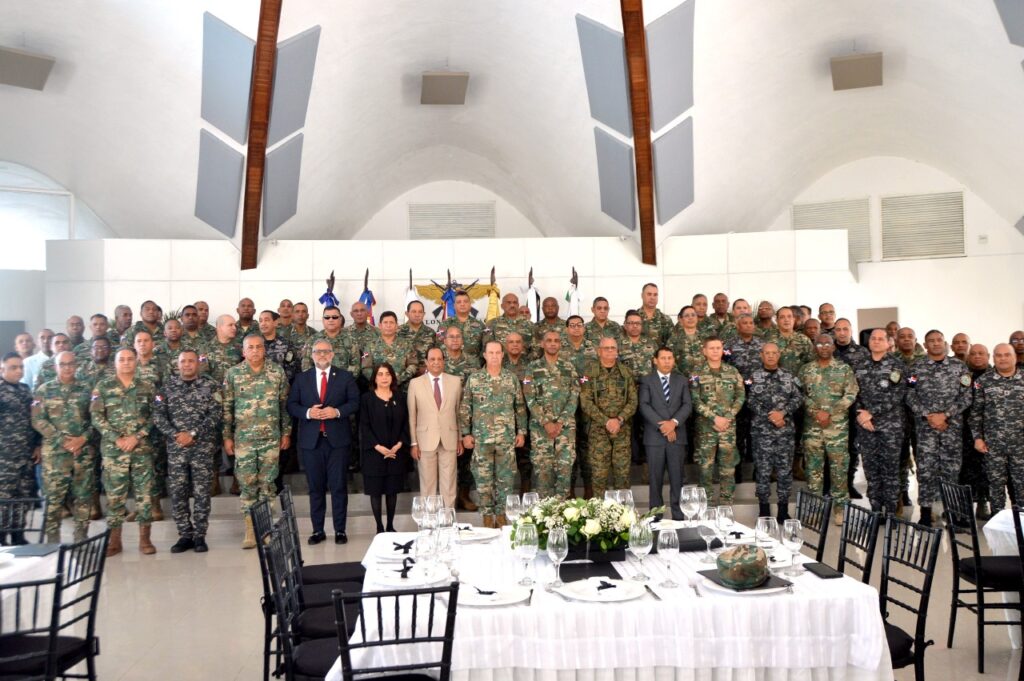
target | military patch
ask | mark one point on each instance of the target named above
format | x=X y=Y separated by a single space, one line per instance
x=217 y=397
x=884 y=383
x=894 y=377
x=911 y=380
x=158 y=399
x=584 y=379
x=748 y=382
x=527 y=381
x=727 y=353
x=977 y=385
x=965 y=380
x=695 y=379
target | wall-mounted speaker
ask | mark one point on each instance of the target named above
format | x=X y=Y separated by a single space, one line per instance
x=856 y=70
x=24 y=69
x=444 y=87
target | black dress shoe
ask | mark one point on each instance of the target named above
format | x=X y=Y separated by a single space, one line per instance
x=183 y=544
x=316 y=538
x=201 y=546
x=854 y=494
x=340 y=538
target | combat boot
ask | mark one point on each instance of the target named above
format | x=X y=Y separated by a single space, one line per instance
x=983 y=512
x=114 y=546
x=145 y=545
x=234 y=487
x=500 y=520
x=926 y=516
x=763 y=510
x=249 y=541
x=783 y=515
x=215 y=487
x=464 y=502
x=158 y=513
x=798 y=470
x=588 y=491
x=95 y=513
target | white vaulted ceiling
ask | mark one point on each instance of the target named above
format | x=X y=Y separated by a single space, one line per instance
x=118 y=123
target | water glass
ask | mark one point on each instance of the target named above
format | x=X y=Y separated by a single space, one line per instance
x=766 y=532
x=688 y=502
x=793 y=540
x=625 y=497
x=525 y=549
x=725 y=522
x=446 y=519
x=530 y=499
x=702 y=501
x=430 y=509
x=513 y=508
x=668 y=550
x=611 y=495
x=425 y=550
x=641 y=539
x=558 y=549
x=417 y=511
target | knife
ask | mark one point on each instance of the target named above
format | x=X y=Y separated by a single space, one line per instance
x=652 y=592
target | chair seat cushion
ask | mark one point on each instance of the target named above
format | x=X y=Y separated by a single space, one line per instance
x=997 y=572
x=317 y=595
x=315 y=658
x=320 y=623
x=901 y=646
x=333 y=572
x=70 y=650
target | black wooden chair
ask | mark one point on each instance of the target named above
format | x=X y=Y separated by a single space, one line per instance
x=22 y=520
x=326 y=573
x=29 y=616
x=860 y=532
x=382 y=624
x=908 y=565
x=814 y=513
x=985 y=575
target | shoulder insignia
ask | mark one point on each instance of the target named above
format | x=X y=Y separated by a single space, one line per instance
x=965 y=380
x=894 y=377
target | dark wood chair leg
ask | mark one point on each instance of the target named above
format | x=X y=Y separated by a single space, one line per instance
x=981 y=630
x=952 y=610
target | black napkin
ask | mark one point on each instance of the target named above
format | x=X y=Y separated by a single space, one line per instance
x=483 y=592
x=407 y=565
x=605 y=585
x=772 y=582
x=466 y=528
x=578 y=571
x=404 y=548
x=689 y=540
x=737 y=535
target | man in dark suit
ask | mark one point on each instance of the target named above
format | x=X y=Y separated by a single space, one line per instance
x=664 y=403
x=322 y=399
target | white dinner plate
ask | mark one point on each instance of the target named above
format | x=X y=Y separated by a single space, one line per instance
x=587 y=590
x=389 y=553
x=667 y=524
x=507 y=596
x=392 y=576
x=718 y=588
x=478 y=534
x=6 y=558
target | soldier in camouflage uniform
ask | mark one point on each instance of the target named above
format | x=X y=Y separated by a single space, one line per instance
x=458 y=363
x=995 y=422
x=473 y=330
x=246 y=324
x=417 y=334
x=388 y=347
x=721 y=323
x=188 y=411
x=98 y=366
x=122 y=322
x=551 y=388
x=829 y=390
x=686 y=342
x=939 y=393
x=150 y=321
x=299 y=332
x=609 y=398
x=191 y=335
x=516 y=360
x=222 y=353
x=173 y=344
x=121 y=412
x=636 y=352
x=499 y=328
x=19 y=443
x=60 y=414
x=75 y=328
x=578 y=349
x=153 y=369
x=656 y=324
x=207 y=331
x=600 y=326
x=550 y=322
x=256 y=425
x=718 y=394
x=773 y=396
x=878 y=414
x=492 y=418
x=850 y=353
x=360 y=335
x=972 y=468
x=764 y=326
x=743 y=351
x=48 y=369
x=100 y=327
x=279 y=350
x=795 y=348
x=344 y=356
x=149 y=366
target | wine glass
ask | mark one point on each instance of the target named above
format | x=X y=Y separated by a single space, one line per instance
x=425 y=550
x=438 y=501
x=641 y=540
x=792 y=540
x=430 y=509
x=707 y=533
x=611 y=495
x=513 y=508
x=702 y=501
x=526 y=549
x=625 y=497
x=558 y=549
x=688 y=502
x=446 y=519
x=725 y=522
x=530 y=499
x=417 y=511
x=766 y=532
x=668 y=549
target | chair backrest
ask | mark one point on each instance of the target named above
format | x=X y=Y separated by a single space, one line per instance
x=860 y=531
x=908 y=566
x=958 y=509
x=397 y=618
x=288 y=511
x=262 y=524
x=25 y=514
x=1016 y=510
x=814 y=512
x=30 y=608
x=282 y=594
x=82 y=565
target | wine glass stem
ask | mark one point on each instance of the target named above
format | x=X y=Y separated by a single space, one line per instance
x=558 y=572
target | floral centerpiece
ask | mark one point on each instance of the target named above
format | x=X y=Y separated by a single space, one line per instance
x=590 y=524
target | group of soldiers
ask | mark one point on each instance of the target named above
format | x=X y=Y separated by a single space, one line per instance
x=158 y=406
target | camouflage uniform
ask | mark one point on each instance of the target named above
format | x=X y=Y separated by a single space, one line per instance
x=399 y=354
x=882 y=389
x=831 y=388
x=462 y=367
x=220 y=357
x=118 y=410
x=795 y=351
x=282 y=353
x=91 y=373
x=996 y=417
x=943 y=386
x=168 y=356
x=194 y=407
x=851 y=354
x=17 y=440
x=657 y=327
x=717 y=392
x=499 y=328
x=295 y=337
x=82 y=350
x=421 y=340
x=579 y=357
x=494 y=413
x=473 y=332
x=766 y=333
x=608 y=393
x=128 y=339
x=768 y=391
x=720 y=328
x=688 y=350
x=552 y=391
x=155 y=371
x=61 y=411
x=359 y=342
x=208 y=332
x=541 y=328
x=594 y=333
x=47 y=372
x=242 y=331
x=972 y=466
x=909 y=432
x=344 y=357
x=523 y=463
x=256 y=418
x=638 y=356
x=746 y=357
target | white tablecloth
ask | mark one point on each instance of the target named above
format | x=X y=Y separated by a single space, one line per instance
x=826 y=629
x=1002 y=541
x=27 y=569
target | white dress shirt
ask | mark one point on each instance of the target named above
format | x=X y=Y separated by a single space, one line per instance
x=320 y=374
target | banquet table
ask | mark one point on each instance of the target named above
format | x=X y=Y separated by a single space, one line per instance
x=1002 y=541
x=824 y=629
x=26 y=569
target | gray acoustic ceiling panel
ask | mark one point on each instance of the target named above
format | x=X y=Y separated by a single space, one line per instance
x=670 y=64
x=293 y=80
x=673 y=171
x=604 y=69
x=219 y=184
x=281 y=184
x=1012 y=14
x=227 y=73
x=24 y=69
x=615 y=178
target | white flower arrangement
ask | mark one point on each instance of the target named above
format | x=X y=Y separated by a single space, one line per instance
x=603 y=524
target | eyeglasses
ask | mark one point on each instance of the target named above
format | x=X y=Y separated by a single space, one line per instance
x=65 y=364
x=633 y=323
x=575 y=325
x=1017 y=340
x=322 y=352
x=332 y=316
x=822 y=345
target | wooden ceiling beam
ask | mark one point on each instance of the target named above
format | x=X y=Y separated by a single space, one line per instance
x=640 y=105
x=259 y=122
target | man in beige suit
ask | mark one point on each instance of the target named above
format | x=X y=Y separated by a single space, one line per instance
x=433 y=425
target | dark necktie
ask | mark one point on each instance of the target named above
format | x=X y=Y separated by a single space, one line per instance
x=323 y=396
x=665 y=389
x=437 y=392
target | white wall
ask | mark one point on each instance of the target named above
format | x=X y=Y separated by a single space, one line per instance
x=24 y=299
x=392 y=221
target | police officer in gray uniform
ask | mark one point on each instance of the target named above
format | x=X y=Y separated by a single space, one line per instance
x=939 y=392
